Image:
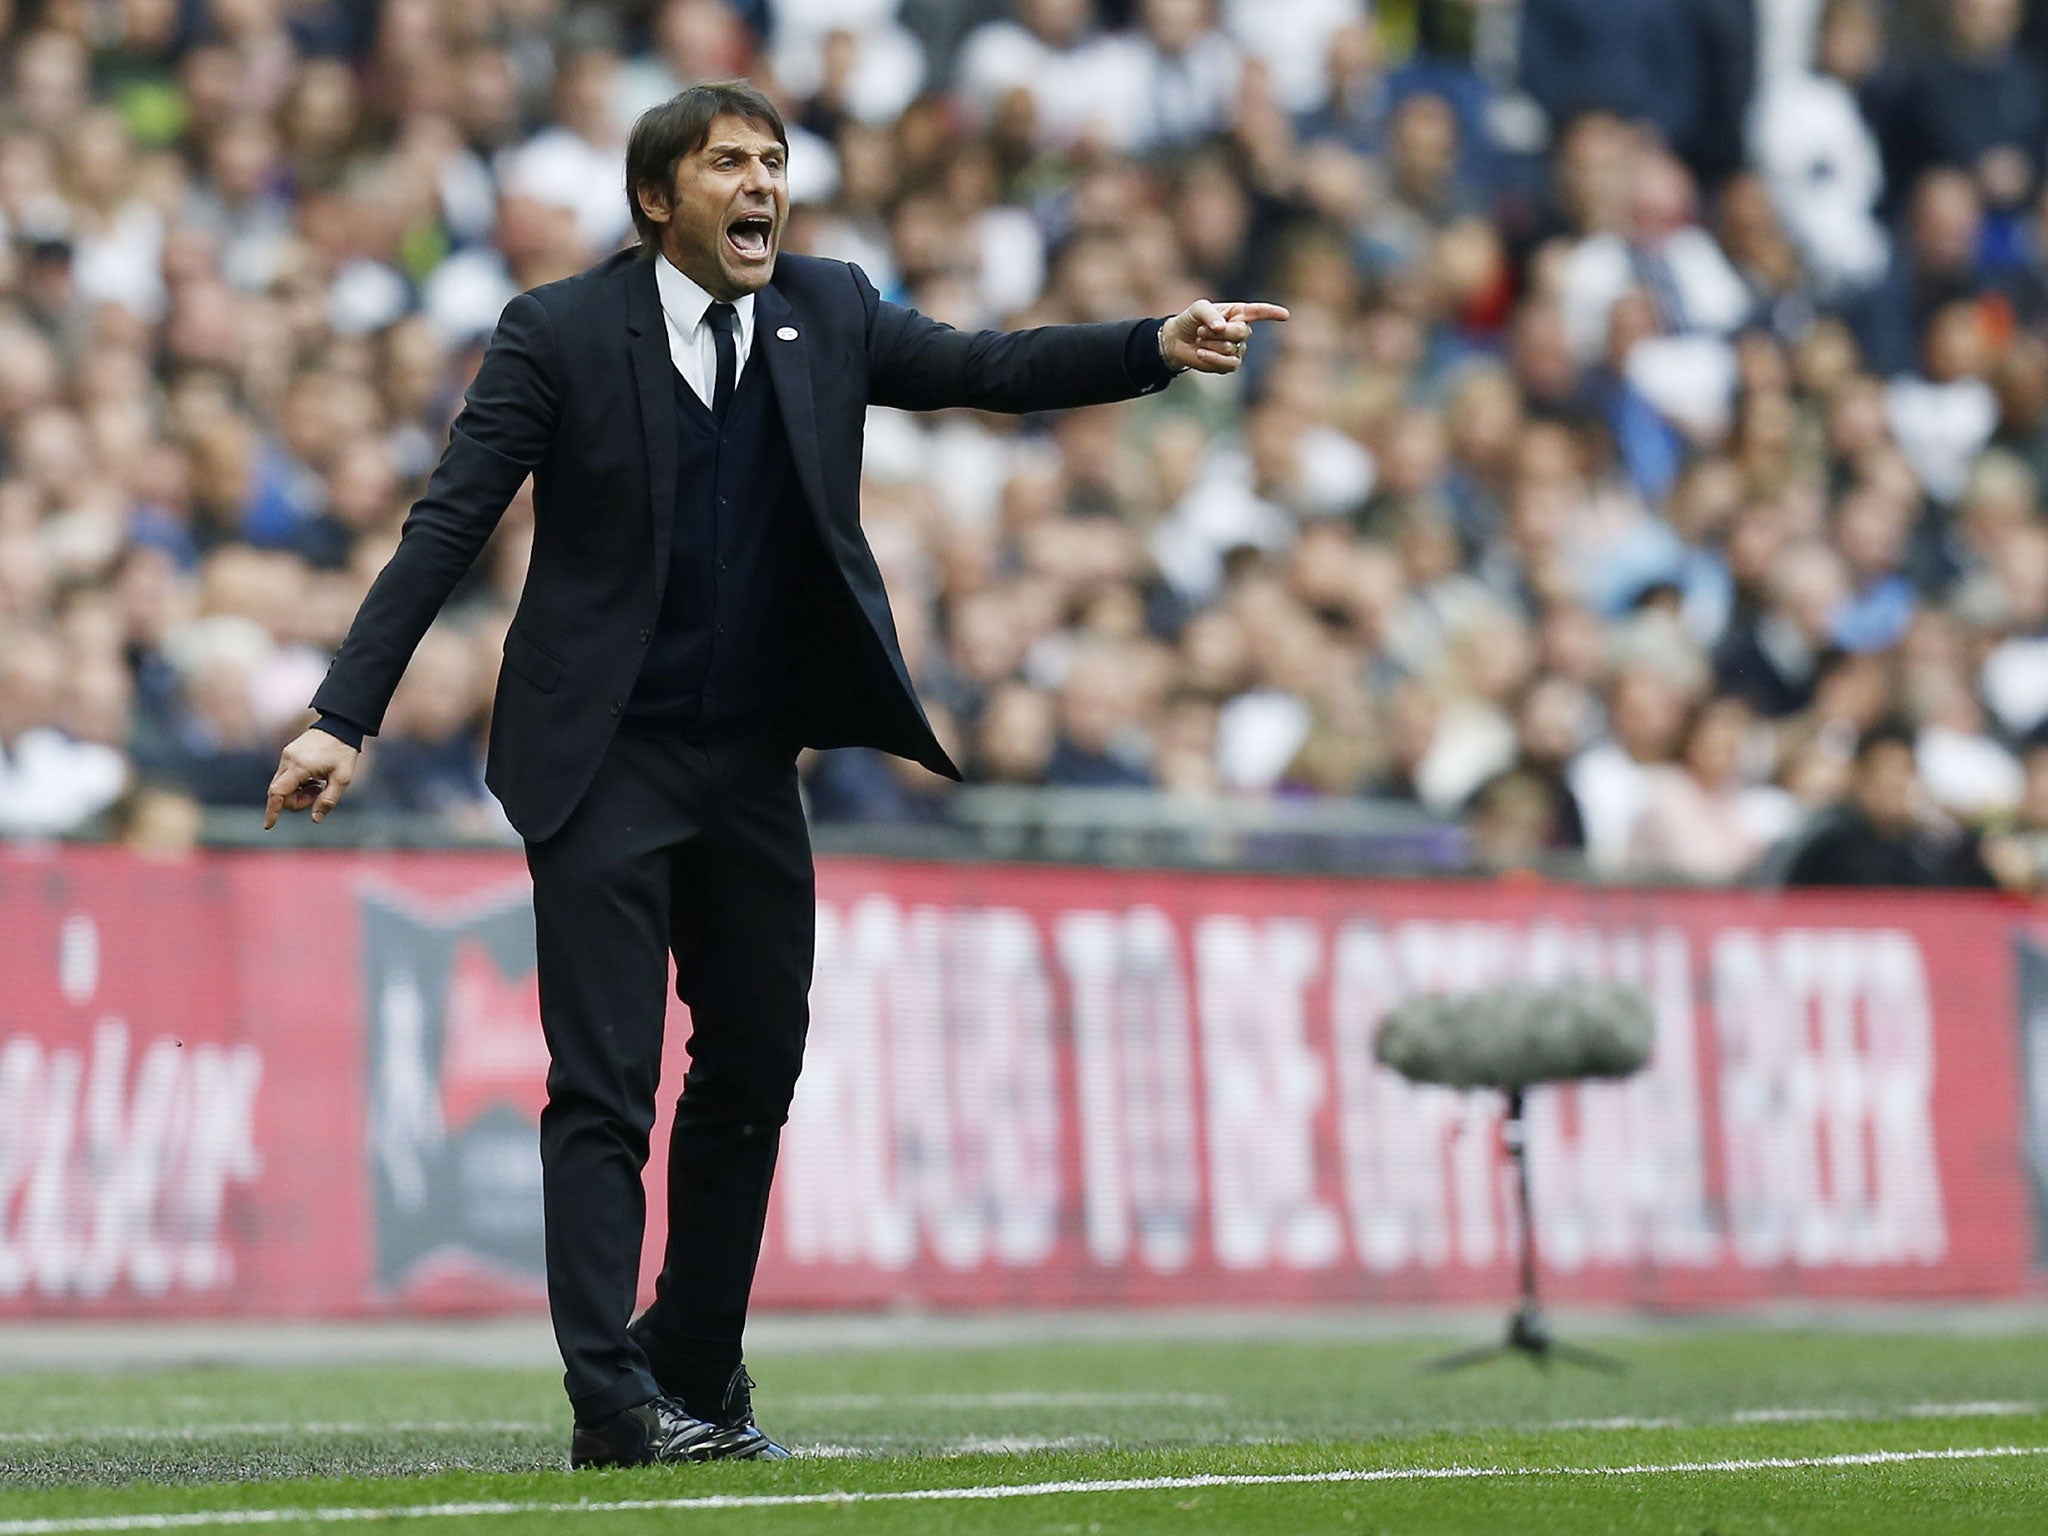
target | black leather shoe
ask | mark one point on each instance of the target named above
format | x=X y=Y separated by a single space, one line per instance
x=650 y=1432
x=733 y=1413
x=728 y=1405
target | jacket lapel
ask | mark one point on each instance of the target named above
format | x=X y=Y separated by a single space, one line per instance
x=789 y=371
x=654 y=371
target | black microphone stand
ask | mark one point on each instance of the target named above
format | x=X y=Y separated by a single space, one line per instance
x=1528 y=1330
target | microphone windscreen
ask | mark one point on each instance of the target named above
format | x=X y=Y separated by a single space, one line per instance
x=1511 y=1037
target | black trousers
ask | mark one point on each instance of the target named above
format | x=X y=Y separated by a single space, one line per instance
x=700 y=852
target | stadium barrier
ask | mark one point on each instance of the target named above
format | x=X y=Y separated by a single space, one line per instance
x=307 y=1084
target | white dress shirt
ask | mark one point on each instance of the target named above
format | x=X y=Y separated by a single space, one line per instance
x=690 y=344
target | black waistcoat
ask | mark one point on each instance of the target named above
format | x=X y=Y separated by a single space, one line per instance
x=724 y=657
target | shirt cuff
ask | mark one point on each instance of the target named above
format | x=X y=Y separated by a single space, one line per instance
x=345 y=731
x=1142 y=361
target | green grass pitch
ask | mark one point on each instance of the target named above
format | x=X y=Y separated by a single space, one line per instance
x=1711 y=1430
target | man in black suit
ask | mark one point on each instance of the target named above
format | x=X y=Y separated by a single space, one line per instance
x=700 y=604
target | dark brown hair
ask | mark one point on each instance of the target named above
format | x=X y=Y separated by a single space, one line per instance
x=665 y=134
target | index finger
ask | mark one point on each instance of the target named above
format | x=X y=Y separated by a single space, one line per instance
x=1258 y=311
x=284 y=782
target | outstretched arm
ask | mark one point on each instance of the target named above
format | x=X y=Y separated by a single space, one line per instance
x=917 y=364
x=507 y=420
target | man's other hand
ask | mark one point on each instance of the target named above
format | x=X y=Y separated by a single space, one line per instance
x=313 y=771
x=1210 y=337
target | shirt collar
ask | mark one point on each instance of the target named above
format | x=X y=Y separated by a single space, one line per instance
x=684 y=302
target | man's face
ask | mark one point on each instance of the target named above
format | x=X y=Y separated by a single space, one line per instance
x=723 y=224
x=1886 y=781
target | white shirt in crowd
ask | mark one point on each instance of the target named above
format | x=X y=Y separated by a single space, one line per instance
x=1820 y=162
x=1227 y=510
x=1292 y=39
x=1966 y=772
x=1785 y=31
x=1076 y=93
x=1686 y=270
x=888 y=67
x=50 y=784
x=691 y=344
x=1172 y=99
x=1941 y=428
x=1611 y=788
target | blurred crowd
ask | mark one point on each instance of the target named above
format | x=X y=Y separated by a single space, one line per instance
x=1651 y=472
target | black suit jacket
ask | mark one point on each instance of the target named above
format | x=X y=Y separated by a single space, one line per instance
x=575 y=389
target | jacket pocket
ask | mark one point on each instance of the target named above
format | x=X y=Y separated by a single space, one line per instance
x=531 y=662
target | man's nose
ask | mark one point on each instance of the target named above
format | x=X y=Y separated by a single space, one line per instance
x=758 y=179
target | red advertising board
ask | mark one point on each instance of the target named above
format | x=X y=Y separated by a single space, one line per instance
x=307 y=1084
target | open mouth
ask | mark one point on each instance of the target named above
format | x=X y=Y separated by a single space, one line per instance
x=749 y=234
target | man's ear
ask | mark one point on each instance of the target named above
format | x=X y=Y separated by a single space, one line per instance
x=653 y=201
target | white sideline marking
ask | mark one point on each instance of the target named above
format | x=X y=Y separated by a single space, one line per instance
x=62 y=1526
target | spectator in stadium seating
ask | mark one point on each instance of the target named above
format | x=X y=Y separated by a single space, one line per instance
x=1019 y=729
x=51 y=781
x=220 y=750
x=2015 y=845
x=158 y=821
x=1975 y=105
x=1943 y=417
x=574 y=160
x=1481 y=421
x=875 y=789
x=689 y=41
x=1182 y=71
x=1049 y=65
x=1665 y=252
x=1967 y=771
x=428 y=757
x=1935 y=264
x=849 y=58
x=1552 y=722
x=1871 y=526
x=1353 y=112
x=1101 y=743
x=1409 y=713
x=2012 y=606
x=1646 y=709
x=1424 y=193
x=1511 y=823
x=1771 y=658
x=1819 y=156
x=1882 y=834
x=1686 y=67
x=1783 y=293
x=1637 y=62
x=2020 y=381
x=1702 y=817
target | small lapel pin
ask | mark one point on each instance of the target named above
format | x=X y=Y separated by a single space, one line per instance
x=787 y=333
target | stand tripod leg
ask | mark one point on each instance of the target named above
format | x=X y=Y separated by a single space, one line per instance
x=1592 y=1359
x=1461 y=1359
x=1528 y=1331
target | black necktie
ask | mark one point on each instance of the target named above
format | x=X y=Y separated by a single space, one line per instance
x=724 y=321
